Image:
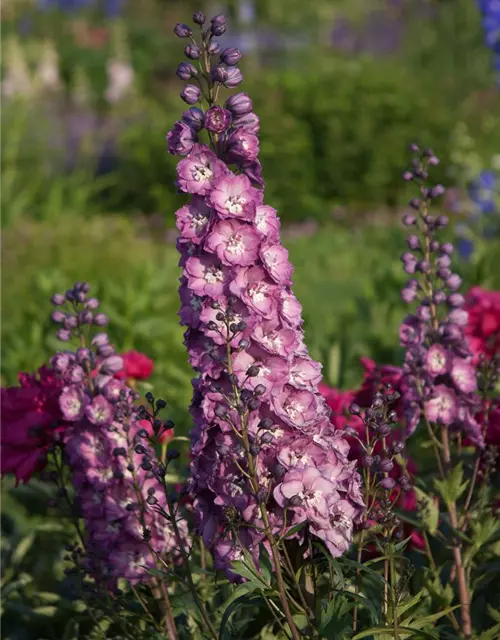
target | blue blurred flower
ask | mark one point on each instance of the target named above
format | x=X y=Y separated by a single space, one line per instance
x=465 y=248
x=482 y=191
x=112 y=8
x=490 y=10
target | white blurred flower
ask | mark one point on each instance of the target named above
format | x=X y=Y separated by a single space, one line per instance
x=17 y=80
x=47 y=73
x=120 y=80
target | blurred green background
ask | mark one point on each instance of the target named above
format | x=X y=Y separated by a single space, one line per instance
x=341 y=86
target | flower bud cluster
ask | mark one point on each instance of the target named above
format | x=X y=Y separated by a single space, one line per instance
x=265 y=456
x=232 y=129
x=439 y=376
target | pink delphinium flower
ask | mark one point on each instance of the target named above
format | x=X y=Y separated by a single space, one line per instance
x=255 y=377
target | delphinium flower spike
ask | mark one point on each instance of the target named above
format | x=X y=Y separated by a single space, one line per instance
x=265 y=456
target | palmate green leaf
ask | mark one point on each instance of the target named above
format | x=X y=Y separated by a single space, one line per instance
x=453 y=486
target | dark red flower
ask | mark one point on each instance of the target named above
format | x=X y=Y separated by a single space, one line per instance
x=30 y=419
x=135 y=365
x=483 y=327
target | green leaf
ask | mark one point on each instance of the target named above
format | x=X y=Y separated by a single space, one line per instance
x=490 y=634
x=387 y=631
x=22 y=549
x=421 y=622
x=453 y=486
x=244 y=599
x=430 y=510
x=402 y=608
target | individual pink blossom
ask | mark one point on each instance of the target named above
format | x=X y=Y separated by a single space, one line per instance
x=310 y=488
x=463 y=375
x=198 y=173
x=234 y=197
x=443 y=406
x=234 y=243
x=267 y=223
x=193 y=220
x=437 y=360
x=206 y=276
x=275 y=259
x=252 y=285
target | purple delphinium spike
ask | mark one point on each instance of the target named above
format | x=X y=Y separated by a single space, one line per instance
x=439 y=376
x=262 y=445
x=118 y=492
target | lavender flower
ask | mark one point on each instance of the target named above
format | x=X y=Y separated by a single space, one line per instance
x=264 y=453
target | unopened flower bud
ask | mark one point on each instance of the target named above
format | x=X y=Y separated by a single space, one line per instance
x=397 y=447
x=437 y=191
x=186 y=70
x=214 y=48
x=354 y=409
x=100 y=339
x=101 y=320
x=441 y=222
x=253 y=371
x=217 y=119
x=367 y=462
x=58 y=317
x=220 y=411
x=58 y=299
x=190 y=94
x=386 y=466
x=387 y=484
x=199 y=17
x=63 y=335
x=456 y=300
x=415 y=203
x=182 y=30
x=194 y=118
x=239 y=104
x=414 y=242
x=409 y=219
x=219 y=74
x=454 y=281
x=259 y=390
x=230 y=56
x=266 y=438
x=295 y=501
x=192 y=52
x=112 y=365
x=407 y=175
x=234 y=78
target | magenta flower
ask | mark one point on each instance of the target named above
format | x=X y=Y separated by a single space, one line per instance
x=463 y=375
x=311 y=490
x=200 y=171
x=411 y=332
x=206 y=276
x=234 y=243
x=437 y=360
x=71 y=403
x=243 y=146
x=275 y=259
x=443 y=406
x=193 y=220
x=298 y=408
x=181 y=139
x=234 y=197
x=267 y=223
x=99 y=411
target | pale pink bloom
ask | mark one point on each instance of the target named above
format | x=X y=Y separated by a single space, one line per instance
x=255 y=289
x=275 y=259
x=206 y=276
x=235 y=243
x=234 y=197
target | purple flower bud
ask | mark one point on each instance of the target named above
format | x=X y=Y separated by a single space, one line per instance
x=459 y=316
x=249 y=122
x=423 y=313
x=409 y=219
x=199 y=17
x=295 y=501
x=219 y=74
x=220 y=411
x=383 y=430
x=367 y=462
x=437 y=191
x=101 y=320
x=58 y=317
x=99 y=339
x=433 y=160
x=186 y=70
x=85 y=317
x=387 y=484
x=71 y=404
x=441 y=222
x=447 y=248
x=214 y=48
x=63 y=335
x=354 y=409
x=414 y=242
x=194 y=118
x=230 y=56
x=190 y=94
x=397 y=447
x=259 y=390
x=386 y=466
x=82 y=354
x=409 y=262
x=267 y=438
x=112 y=365
x=423 y=266
x=234 y=78
x=182 y=30
x=61 y=362
x=105 y=350
x=407 y=175
x=217 y=119
x=443 y=273
x=92 y=303
x=239 y=104
x=58 y=299
x=415 y=203
x=443 y=261
x=192 y=52
x=439 y=297
x=414 y=148
x=456 y=300
x=454 y=281
x=218 y=24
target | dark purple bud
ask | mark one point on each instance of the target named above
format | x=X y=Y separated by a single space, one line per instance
x=92 y=303
x=219 y=74
x=182 y=30
x=404 y=483
x=354 y=409
x=279 y=471
x=58 y=299
x=266 y=438
x=70 y=322
x=441 y=222
x=414 y=148
x=63 y=334
x=218 y=26
x=414 y=242
x=295 y=501
x=230 y=56
x=58 y=317
x=186 y=70
x=101 y=320
x=444 y=260
x=386 y=466
x=190 y=94
x=105 y=350
x=259 y=390
x=407 y=175
x=244 y=344
x=383 y=430
x=254 y=403
x=239 y=104
x=85 y=317
x=199 y=17
x=266 y=423
x=415 y=203
x=214 y=48
x=249 y=122
x=194 y=118
x=99 y=339
x=392 y=417
x=70 y=295
x=82 y=355
x=192 y=52
x=234 y=78
x=253 y=371
x=387 y=484
x=217 y=119
x=112 y=365
x=397 y=447
x=423 y=313
x=367 y=462
x=80 y=296
x=423 y=266
x=434 y=245
x=443 y=273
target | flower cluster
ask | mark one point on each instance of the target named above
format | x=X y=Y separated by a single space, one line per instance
x=265 y=455
x=81 y=405
x=439 y=375
x=483 y=327
x=490 y=11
